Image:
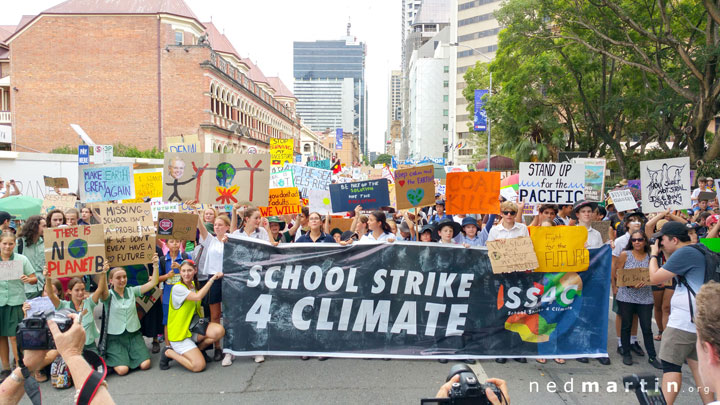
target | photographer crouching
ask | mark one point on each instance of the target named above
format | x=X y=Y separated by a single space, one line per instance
x=69 y=344
x=463 y=387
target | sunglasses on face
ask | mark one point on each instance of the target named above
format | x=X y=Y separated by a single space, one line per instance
x=513 y=213
x=637 y=240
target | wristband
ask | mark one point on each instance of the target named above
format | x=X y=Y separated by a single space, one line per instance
x=656 y=257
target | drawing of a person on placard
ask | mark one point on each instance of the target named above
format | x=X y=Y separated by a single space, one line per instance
x=176 y=169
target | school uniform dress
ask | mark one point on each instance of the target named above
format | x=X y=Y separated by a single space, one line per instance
x=12 y=296
x=88 y=321
x=36 y=254
x=125 y=344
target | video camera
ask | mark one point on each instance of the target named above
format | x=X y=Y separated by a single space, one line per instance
x=33 y=332
x=646 y=388
x=468 y=391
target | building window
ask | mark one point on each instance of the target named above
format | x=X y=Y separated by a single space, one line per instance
x=445 y=112
x=446 y=83
x=446 y=69
x=178 y=37
x=465 y=152
x=445 y=98
x=445 y=127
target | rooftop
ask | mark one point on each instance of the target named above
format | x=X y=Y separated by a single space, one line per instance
x=175 y=7
x=281 y=90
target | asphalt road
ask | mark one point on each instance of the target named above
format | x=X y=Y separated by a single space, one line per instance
x=289 y=380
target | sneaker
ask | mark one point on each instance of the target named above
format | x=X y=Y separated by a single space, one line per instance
x=217 y=355
x=635 y=347
x=207 y=358
x=619 y=350
x=500 y=360
x=164 y=359
x=469 y=361
x=259 y=359
x=605 y=361
x=227 y=360
x=583 y=360
x=443 y=361
x=655 y=363
x=521 y=360
x=4 y=374
x=156 y=347
x=627 y=359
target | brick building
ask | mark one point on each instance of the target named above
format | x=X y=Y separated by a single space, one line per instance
x=349 y=155
x=137 y=72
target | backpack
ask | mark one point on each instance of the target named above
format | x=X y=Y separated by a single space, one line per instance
x=60 y=374
x=712 y=273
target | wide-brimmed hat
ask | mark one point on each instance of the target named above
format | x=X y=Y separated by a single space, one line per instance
x=428 y=228
x=347 y=235
x=336 y=230
x=447 y=222
x=582 y=204
x=469 y=221
x=276 y=220
x=637 y=214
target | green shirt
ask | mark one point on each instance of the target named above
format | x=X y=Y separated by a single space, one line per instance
x=36 y=254
x=123 y=315
x=88 y=320
x=12 y=292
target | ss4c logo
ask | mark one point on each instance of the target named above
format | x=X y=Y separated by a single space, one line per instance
x=561 y=288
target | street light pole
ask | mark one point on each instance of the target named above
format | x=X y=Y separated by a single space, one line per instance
x=487 y=162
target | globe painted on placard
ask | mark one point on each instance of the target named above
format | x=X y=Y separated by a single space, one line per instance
x=78 y=248
x=225 y=173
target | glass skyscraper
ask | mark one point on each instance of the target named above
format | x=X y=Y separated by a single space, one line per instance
x=330 y=86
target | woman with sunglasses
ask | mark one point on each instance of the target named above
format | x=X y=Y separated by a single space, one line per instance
x=188 y=348
x=508 y=228
x=635 y=300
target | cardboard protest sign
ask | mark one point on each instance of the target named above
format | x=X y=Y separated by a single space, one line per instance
x=665 y=184
x=393 y=196
x=415 y=187
x=174 y=225
x=59 y=182
x=594 y=178
x=633 y=277
x=551 y=183
x=129 y=233
x=183 y=144
x=560 y=248
x=320 y=164
x=706 y=196
x=215 y=178
x=147 y=300
x=310 y=178
x=60 y=202
x=283 y=178
x=281 y=151
x=509 y=255
x=603 y=227
x=106 y=183
x=319 y=201
x=472 y=193
x=74 y=251
x=283 y=201
x=370 y=194
x=148 y=184
x=11 y=270
x=623 y=200
x=343 y=224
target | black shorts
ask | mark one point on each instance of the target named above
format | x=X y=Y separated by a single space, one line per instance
x=214 y=296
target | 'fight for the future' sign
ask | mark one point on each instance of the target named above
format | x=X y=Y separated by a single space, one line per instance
x=551 y=183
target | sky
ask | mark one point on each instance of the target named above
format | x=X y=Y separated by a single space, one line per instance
x=265 y=30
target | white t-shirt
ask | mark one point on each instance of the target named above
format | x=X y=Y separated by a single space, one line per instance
x=620 y=244
x=382 y=238
x=499 y=232
x=594 y=239
x=260 y=233
x=212 y=257
x=179 y=293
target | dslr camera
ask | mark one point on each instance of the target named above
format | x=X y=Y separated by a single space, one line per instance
x=469 y=391
x=33 y=332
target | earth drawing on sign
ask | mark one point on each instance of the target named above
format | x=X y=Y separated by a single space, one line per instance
x=415 y=195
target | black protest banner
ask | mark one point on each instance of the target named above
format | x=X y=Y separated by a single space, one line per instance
x=406 y=300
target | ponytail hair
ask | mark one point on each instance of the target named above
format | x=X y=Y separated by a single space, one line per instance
x=380 y=217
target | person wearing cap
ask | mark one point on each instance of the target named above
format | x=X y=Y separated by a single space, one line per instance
x=427 y=233
x=336 y=233
x=277 y=235
x=439 y=214
x=679 y=338
x=446 y=230
x=563 y=215
x=5 y=219
x=583 y=210
x=508 y=228
x=470 y=235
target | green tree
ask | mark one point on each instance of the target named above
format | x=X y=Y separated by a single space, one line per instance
x=119 y=150
x=383 y=159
